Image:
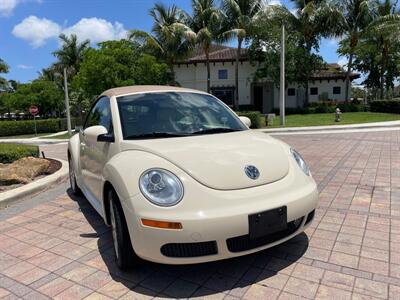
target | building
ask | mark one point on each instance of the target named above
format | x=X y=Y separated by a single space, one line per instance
x=326 y=84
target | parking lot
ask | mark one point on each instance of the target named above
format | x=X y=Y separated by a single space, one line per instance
x=61 y=249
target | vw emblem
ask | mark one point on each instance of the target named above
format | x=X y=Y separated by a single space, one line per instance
x=252 y=172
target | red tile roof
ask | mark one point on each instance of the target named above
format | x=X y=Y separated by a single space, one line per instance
x=220 y=53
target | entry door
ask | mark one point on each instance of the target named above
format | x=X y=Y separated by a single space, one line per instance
x=94 y=153
x=258 y=98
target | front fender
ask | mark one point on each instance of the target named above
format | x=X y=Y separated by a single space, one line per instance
x=74 y=151
x=124 y=170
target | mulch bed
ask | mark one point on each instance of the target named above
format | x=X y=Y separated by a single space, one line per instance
x=55 y=165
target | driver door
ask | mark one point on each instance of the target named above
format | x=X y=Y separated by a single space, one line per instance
x=94 y=154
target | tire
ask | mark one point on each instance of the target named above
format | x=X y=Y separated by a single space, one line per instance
x=125 y=256
x=72 y=178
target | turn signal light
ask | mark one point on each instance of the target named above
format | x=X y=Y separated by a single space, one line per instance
x=161 y=224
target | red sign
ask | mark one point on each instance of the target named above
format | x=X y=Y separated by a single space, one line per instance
x=34 y=110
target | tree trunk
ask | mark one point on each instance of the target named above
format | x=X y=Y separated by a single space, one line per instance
x=306 y=86
x=208 y=70
x=80 y=113
x=383 y=70
x=306 y=94
x=349 y=65
x=236 y=103
x=172 y=74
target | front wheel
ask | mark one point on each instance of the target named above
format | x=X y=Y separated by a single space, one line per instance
x=125 y=256
x=72 y=178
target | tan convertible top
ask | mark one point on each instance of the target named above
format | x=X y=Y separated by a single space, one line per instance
x=126 y=90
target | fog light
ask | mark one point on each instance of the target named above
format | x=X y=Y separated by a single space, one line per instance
x=161 y=224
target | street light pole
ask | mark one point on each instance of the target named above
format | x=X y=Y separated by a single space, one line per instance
x=282 y=81
x=67 y=102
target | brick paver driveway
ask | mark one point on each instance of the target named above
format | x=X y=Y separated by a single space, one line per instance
x=61 y=248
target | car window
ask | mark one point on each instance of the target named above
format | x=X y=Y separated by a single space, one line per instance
x=174 y=113
x=100 y=114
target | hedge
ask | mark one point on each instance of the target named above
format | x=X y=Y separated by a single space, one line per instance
x=12 y=152
x=254 y=116
x=10 y=128
x=318 y=108
x=386 y=106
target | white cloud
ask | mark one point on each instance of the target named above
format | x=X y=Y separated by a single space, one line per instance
x=36 y=31
x=7 y=6
x=24 y=67
x=97 y=30
x=266 y=3
x=343 y=62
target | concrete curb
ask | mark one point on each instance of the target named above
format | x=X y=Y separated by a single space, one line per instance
x=34 y=187
x=332 y=127
x=34 y=142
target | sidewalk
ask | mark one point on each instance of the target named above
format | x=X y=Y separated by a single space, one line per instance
x=331 y=127
x=37 y=139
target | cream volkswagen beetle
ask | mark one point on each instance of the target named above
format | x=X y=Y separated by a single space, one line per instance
x=180 y=178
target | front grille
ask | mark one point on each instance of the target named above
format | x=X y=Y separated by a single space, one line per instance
x=243 y=243
x=310 y=217
x=190 y=249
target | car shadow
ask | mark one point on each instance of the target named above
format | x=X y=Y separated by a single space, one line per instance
x=183 y=281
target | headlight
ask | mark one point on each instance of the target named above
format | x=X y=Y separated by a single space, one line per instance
x=161 y=187
x=300 y=161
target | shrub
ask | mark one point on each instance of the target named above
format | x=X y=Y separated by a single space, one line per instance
x=352 y=107
x=9 y=128
x=254 y=116
x=325 y=108
x=386 y=106
x=12 y=152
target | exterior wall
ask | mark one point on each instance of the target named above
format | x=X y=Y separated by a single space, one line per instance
x=326 y=86
x=195 y=76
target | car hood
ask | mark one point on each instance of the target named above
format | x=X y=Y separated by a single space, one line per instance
x=218 y=160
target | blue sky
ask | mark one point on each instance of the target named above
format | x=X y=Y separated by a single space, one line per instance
x=29 y=28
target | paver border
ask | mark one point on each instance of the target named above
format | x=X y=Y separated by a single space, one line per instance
x=36 y=186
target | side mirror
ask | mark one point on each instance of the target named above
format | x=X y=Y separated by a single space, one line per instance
x=98 y=133
x=246 y=121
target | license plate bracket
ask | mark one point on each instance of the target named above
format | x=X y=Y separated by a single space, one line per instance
x=267 y=222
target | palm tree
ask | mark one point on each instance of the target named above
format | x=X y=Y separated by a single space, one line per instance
x=239 y=16
x=70 y=56
x=167 y=40
x=3 y=66
x=202 y=28
x=3 y=69
x=311 y=19
x=354 y=19
x=385 y=28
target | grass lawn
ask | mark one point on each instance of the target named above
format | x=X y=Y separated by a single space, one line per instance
x=329 y=119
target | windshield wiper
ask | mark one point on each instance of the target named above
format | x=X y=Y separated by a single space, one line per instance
x=154 y=135
x=215 y=130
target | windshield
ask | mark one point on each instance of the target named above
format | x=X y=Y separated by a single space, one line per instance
x=172 y=114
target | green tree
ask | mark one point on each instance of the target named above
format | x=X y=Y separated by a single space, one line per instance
x=203 y=28
x=71 y=53
x=265 y=53
x=385 y=28
x=114 y=64
x=45 y=94
x=167 y=40
x=239 y=16
x=3 y=69
x=309 y=22
x=355 y=16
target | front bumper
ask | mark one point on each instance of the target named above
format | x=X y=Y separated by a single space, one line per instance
x=216 y=221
